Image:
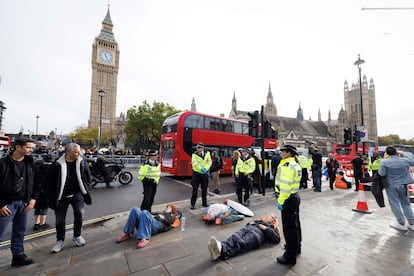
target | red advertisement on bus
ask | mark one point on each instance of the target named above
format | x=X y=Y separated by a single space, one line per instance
x=182 y=131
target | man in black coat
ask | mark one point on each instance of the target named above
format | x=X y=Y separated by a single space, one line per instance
x=18 y=195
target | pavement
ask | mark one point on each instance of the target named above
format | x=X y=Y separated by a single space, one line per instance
x=336 y=241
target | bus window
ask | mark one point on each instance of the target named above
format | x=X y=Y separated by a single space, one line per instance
x=238 y=128
x=194 y=121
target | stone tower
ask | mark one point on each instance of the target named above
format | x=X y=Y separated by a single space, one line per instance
x=353 y=106
x=105 y=65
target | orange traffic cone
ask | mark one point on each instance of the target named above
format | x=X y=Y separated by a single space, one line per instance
x=362 y=205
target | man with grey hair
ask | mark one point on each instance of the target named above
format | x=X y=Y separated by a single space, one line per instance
x=67 y=182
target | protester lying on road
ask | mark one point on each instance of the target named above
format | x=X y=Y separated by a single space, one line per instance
x=252 y=236
x=220 y=213
x=148 y=224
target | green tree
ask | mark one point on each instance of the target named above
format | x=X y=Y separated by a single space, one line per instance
x=84 y=136
x=144 y=122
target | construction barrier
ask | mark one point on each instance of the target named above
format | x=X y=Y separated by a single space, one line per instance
x=348 y=170
x=362 y=206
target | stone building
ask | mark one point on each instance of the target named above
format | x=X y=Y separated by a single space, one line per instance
x=105 y=67
x=300 y=132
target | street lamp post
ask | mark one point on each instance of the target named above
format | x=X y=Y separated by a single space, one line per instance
x=358 y=63
x=37 y=123
x=101 y=93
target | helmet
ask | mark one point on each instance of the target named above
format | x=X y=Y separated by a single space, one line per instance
x=290 y=149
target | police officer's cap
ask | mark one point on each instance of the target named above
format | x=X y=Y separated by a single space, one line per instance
x=200 y=145
x=152 y=153
x=290 y=149
x=246 y=150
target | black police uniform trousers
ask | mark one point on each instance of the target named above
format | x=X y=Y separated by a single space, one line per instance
x=150 y=188
x=291 y=226
x=243 y=184
x=196 y=180
x=304 y=179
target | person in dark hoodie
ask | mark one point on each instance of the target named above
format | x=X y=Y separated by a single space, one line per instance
x=250 y=237
x=18 y=195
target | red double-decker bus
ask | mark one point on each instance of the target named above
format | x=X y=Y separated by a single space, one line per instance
x=345 y=153
x=182 y=131
x=5 y=141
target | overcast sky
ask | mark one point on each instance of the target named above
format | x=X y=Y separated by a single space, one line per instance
x=172 y=51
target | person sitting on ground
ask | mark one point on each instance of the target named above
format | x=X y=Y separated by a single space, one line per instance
x=220 y=213
x=252 y=236
x=341 y=182
x=148 y=224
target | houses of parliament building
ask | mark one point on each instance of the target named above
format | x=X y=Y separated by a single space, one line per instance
x=300 y=132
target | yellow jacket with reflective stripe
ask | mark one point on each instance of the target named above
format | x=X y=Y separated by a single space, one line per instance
x=288 y=178
x=304 y=162
x=375 y=165
x=150 y=171
x=199 y=162
x=245 y=166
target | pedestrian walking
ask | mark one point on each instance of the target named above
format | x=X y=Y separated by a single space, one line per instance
x=18 y=195
x=357 y=163
x=41 y=206
x=288 y=178
x=201 y=163
x=316 y=168
x=397 y=173
x=332 y=166
x=216 y=166
x=304 y=164
x=67 y=182
x=149 y=174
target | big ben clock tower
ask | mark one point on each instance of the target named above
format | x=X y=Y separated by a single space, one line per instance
x=105 y=65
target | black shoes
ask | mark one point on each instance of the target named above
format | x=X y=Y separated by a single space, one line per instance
x=36 y=227
x=19 y=260
x=286 y=260
x=192 y=207
x=216 y=191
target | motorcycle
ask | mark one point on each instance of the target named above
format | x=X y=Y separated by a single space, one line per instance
x=115 y=171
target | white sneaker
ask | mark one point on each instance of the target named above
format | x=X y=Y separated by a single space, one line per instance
x=214 y=246
x=398 y=226
x=57 y=247
x=410 y=227
x=79 y=241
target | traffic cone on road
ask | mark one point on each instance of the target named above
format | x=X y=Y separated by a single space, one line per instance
x=362 y=205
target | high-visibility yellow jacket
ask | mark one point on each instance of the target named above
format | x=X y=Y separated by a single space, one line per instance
x=376 y=164
x=199 y=162
x=288 y=178
x=304 y=162
x=147 y=170
x=246 y=166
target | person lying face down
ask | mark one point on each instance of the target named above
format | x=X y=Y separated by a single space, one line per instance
x=220 y=213
x=252 y=236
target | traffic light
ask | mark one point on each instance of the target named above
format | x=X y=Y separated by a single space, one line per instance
x=347 y=136
x=267 y=128
x=254 y=123
x=357 y=136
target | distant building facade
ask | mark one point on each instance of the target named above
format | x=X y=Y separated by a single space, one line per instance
x=300 y=132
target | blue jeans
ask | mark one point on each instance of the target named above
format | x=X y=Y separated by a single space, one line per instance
x=398 y=198
x=78 y=205
x=146 y=224
x=19 y=218
x=316 y=175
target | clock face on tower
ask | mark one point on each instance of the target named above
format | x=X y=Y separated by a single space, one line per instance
x=105 y=56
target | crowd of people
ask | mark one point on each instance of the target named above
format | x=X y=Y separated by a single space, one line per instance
x=26 y=185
